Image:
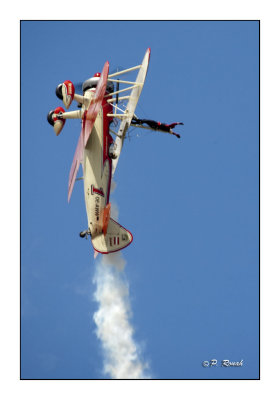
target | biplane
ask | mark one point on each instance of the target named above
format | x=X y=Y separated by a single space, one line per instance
x=106 y=110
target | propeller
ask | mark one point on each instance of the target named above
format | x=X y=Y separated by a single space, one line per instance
x=117 y=69
x=78 y=87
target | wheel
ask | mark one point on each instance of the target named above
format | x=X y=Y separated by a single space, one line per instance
x=58 y=91
x=49 y=118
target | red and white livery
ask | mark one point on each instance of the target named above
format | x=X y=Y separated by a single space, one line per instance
x=97 y=152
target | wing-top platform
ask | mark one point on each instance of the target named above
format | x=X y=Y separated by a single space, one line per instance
x=126 y=115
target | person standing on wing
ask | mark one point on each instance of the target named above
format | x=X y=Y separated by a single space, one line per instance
x=157 y=126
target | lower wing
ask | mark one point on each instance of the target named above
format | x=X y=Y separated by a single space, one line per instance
x=78 y=157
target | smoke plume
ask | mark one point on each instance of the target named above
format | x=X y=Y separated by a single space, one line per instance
x=121 y=353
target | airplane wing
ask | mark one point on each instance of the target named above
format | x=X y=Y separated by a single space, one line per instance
x=96 y=103
x=126 y=115
x=78 y=157
x=88 y=121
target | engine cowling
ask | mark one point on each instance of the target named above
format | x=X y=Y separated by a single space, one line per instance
x=65 y=92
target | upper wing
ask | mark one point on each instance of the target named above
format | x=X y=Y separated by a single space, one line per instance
x=127 y=114
x=96 y=103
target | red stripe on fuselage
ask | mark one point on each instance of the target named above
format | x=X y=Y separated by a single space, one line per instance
x=107 y=138
x=93 y=190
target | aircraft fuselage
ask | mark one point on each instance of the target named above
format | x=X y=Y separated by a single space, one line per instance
x=97 y=167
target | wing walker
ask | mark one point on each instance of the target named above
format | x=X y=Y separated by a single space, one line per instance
x=105 y=111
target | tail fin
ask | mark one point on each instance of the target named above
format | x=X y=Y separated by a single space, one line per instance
x=116 y=238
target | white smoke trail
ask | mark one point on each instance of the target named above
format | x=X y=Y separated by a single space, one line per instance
x=122 y=356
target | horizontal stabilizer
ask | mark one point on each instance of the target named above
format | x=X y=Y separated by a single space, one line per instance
x=117 y=238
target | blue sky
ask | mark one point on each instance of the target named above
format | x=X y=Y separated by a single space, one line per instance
x=191 y=204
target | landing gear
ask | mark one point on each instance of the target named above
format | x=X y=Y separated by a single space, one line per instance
x=55 y=118
x=50 y=119
x=85 y=234
x=58 y=91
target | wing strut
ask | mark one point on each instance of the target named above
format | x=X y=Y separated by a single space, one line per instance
x=131 y=105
